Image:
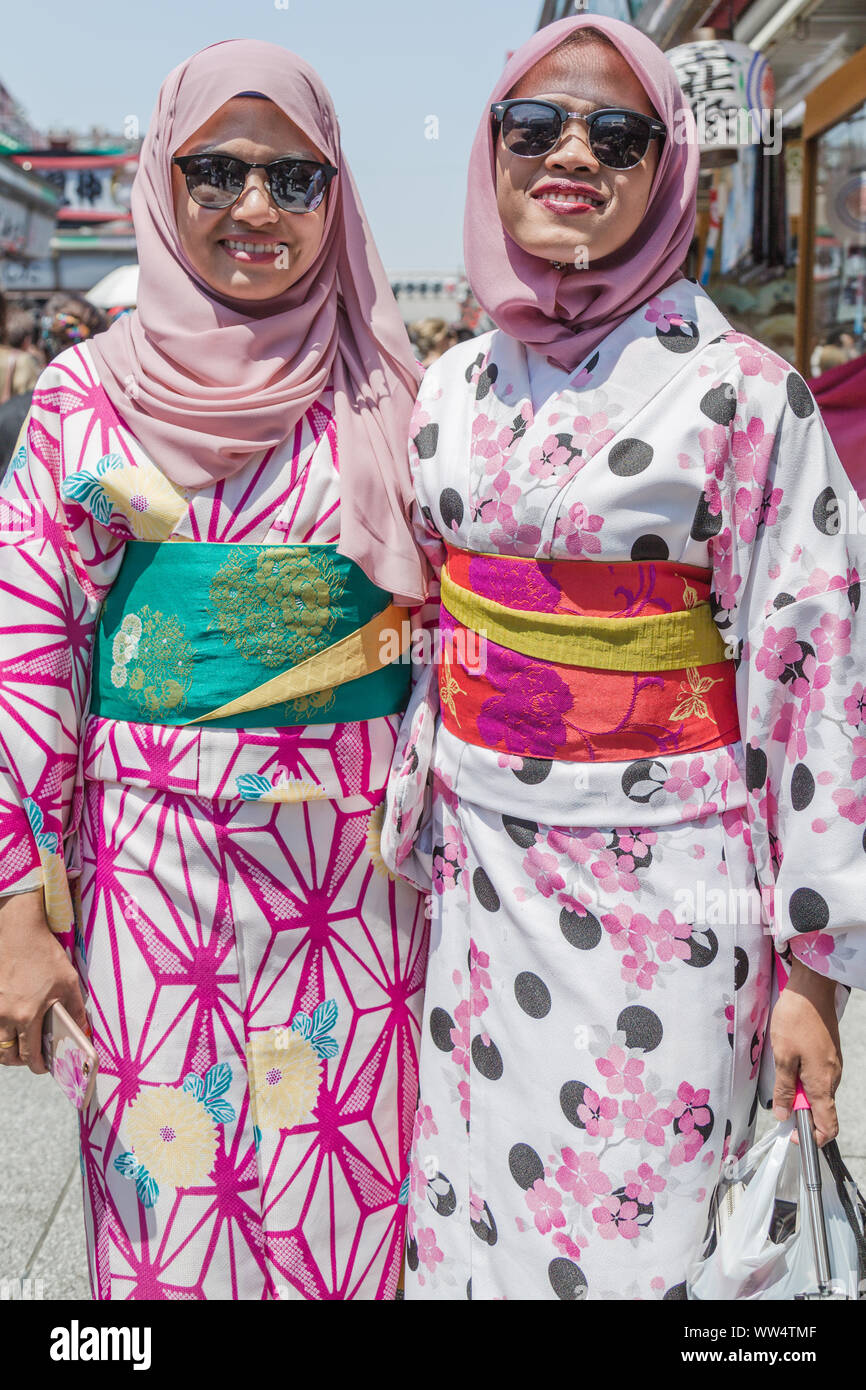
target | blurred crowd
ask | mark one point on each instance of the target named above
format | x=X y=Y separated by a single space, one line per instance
x=838 y=348
x=432 y=337
x=30 y=336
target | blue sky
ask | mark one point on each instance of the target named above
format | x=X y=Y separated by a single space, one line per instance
x=389 y=65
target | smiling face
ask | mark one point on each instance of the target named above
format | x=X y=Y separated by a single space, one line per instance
x=564 y=206
x=253 y=250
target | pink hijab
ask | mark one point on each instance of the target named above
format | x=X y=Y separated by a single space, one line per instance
x=208 y=383
x=566 y=314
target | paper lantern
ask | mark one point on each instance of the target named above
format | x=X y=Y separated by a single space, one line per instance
x=731 y=91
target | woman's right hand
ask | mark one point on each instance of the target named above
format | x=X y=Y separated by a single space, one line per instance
x=35 y=972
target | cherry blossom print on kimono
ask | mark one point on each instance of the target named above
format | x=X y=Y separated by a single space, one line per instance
x=252 y=969
x=599 y=981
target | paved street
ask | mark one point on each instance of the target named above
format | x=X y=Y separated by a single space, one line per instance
x=41 y=1226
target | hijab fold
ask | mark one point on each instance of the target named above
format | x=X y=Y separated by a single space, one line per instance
x=565 y=314
x=207 y=384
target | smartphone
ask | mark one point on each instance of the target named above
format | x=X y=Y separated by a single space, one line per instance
x=69 y=1055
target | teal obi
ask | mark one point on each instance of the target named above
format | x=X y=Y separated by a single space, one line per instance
x=188 y=627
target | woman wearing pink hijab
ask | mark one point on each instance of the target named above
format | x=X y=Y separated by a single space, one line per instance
x=652 y=781
x=206 y=544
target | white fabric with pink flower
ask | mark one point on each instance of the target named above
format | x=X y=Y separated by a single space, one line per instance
x=599 y=980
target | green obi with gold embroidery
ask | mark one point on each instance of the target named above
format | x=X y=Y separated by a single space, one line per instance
x=189 y=627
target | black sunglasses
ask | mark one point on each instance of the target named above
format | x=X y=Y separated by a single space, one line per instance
x=218 y=180
x=618 y=138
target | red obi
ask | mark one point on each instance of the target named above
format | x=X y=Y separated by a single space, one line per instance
x=582 y=660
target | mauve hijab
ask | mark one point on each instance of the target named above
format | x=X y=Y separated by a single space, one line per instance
x=565 y=314
x=208 y=383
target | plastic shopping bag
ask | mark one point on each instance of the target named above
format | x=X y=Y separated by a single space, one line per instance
x=759 y=1241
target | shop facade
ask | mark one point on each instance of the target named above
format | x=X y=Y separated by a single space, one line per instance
x=781 y=232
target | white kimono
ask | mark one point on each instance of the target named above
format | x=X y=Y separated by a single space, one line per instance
x=599 y=983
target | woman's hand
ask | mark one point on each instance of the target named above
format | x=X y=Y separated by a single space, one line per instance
x=804 y=1033
x=34 y=973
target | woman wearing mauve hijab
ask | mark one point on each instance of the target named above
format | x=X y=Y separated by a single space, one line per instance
x=206 y=543
x=654 y=780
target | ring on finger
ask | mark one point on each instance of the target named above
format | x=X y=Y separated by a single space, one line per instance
x=10 y=1042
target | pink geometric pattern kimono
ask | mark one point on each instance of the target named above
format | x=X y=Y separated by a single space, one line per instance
x=600 y=976
x=252 y=970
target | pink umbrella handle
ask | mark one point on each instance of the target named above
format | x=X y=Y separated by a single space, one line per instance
x=801 y=1100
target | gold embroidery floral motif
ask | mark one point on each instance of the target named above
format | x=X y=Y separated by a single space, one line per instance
x=690 y=595
x=448 y=688
x=280 y=612
x=692 y=703
x=306 y=705
x=153 y=660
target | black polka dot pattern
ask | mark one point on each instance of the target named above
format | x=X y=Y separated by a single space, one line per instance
x=484 y=890
x=826 y=512
x=799 y=396
x=427 y=441
x=450 y=507
x=525 y=1166
x=808 y=910
x=486 y=380
x=629 y=456
x=802 y=787
x=741 y=967
x=487 y=1058
x=441 y=1195
x=582 y=932
x=720 y=404
x=756 y=768
x=641 y=1026
x=522 y=832
x=570 y=1097
x=682 y=337
x=441 y=1025
x=532 y=994
x=485 y=1226
x=703 y=947
x=471 y=369
x=643 y=778
x=534 y=770
x=650 y=548
x=567 y=1280
x=705 y=524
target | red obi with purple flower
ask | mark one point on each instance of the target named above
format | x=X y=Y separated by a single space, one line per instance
x=582 y=660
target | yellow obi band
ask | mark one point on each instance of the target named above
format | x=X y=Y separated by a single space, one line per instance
x=658 y=642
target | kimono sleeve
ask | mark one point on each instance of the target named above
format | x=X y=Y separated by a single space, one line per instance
x=52 y=581
x=406 y=845
x=788 y=560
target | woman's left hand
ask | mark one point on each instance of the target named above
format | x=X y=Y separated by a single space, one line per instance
x=804 y=1034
